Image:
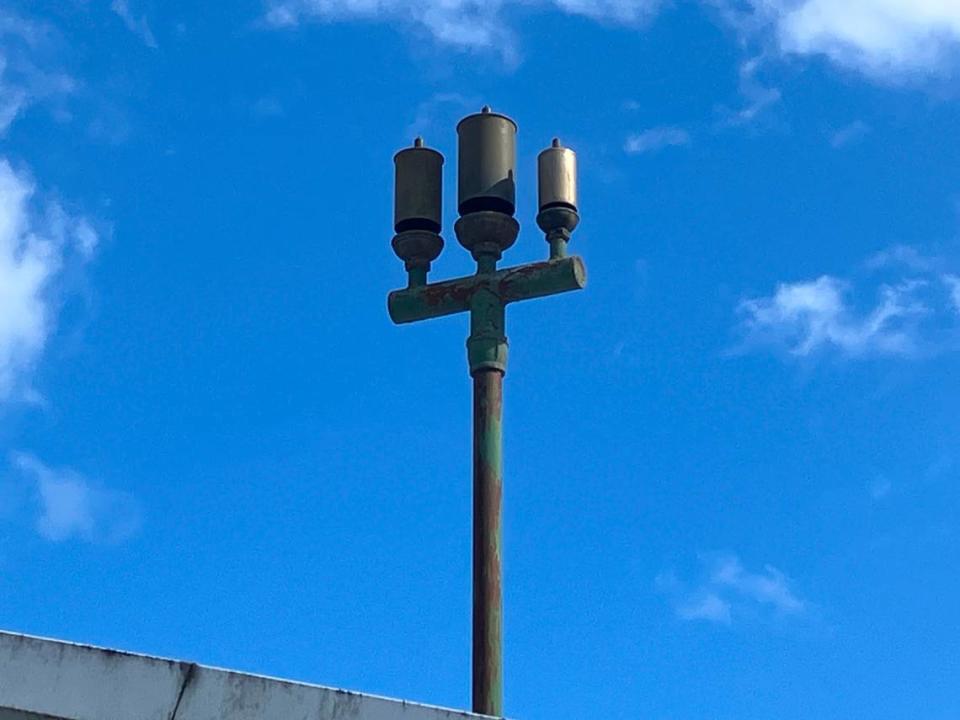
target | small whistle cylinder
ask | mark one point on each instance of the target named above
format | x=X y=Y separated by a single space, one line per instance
x=418 y=194
x=557 y=177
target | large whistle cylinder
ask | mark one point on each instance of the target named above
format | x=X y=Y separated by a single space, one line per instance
x=487 y=163
x=418 y=189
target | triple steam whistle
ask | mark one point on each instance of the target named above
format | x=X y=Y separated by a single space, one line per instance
x=486 y=227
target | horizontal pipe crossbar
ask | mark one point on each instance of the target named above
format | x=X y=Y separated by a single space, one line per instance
x=522 y=282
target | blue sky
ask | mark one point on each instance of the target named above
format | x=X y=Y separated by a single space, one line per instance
x=731 y=463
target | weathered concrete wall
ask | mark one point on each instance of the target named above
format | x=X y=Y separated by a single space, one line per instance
x=79 y=682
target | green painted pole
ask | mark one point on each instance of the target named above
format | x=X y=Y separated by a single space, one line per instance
x=486 y=227
x=487 y=357
x=487 y=494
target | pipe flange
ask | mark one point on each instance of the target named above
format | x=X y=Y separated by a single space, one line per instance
x=486 y=231
x=417 y=248
x=559 y=221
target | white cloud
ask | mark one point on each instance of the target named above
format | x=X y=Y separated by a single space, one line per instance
x=904 y=317
x=805 y=317
x=953 y=282
x=770 y=587
x=709 y=606
x=849 y=134
x=887 y=39
x=622 y=11
x=138 y=26
x=904 y=256
x=24 y=81
x=758 y=96
x=727 y=590
x=467 y=24
x=656 y=139
x=71 y=506
x=12 y=99
x=36 y=243
x=40 y=241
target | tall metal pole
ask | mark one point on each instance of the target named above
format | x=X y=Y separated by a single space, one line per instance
x=486 y=227
x=487 y=494
x=487 y=358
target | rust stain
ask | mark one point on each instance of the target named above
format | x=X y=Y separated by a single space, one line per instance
x=438 y=294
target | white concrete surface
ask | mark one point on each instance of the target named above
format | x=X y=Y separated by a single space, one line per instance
x=40 y=677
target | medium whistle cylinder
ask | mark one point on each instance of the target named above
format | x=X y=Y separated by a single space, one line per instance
x=418 y=193
x=487 y=161
x=557 y=177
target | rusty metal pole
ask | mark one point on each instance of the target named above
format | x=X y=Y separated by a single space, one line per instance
x=487 y=494
x=486 y=227
x=487 y=356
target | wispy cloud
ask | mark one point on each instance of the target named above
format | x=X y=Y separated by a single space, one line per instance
x=137 y=25
x=38 y=239
x=727 y=591
x=906 y=316
x=12 y=98
x=758 y=96
x=770 y=587
x=705 y=606
x=804 y=317
x=889 y=40
x=464 y=24
x=656 y=139
x=438 y=111
x=620 y=11
x=70 y=506
x=41 y=242
x=886 y=39
x=26 y=75
x=904 y=257
x=849 y=134
x=953 y=282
